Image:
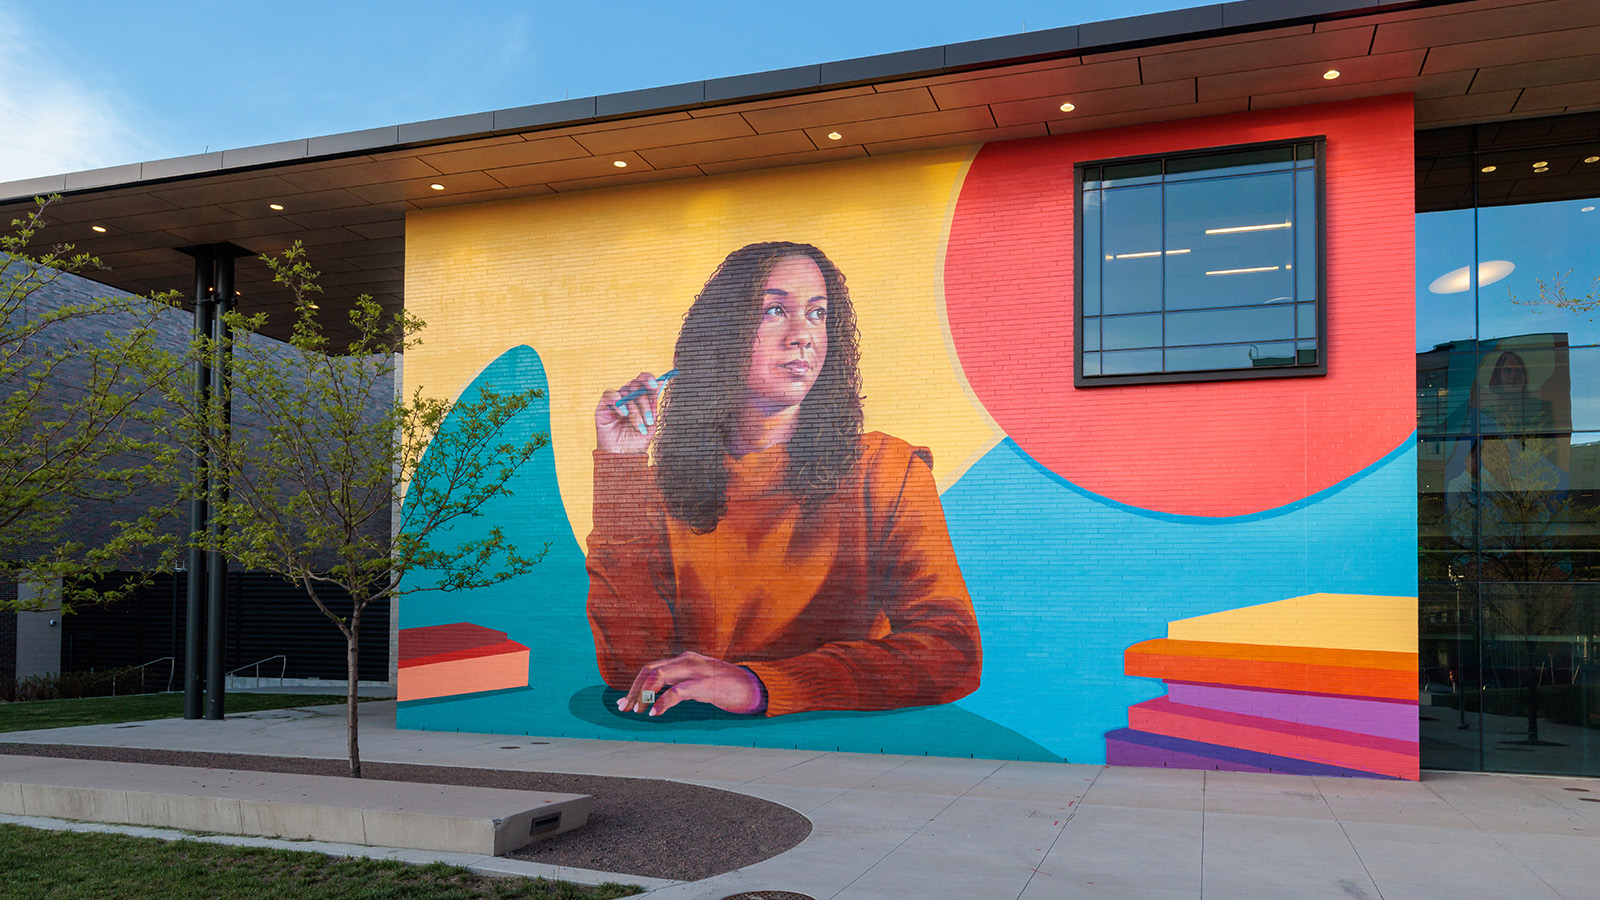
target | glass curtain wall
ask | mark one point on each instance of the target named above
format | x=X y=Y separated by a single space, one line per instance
x=1508 y=431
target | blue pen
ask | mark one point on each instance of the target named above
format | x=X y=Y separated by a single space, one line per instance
x=635 y=394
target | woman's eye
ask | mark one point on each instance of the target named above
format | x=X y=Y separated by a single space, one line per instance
x=775 y=310
x=817 y=314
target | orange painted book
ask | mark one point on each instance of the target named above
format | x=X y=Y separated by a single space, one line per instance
x=460 y=658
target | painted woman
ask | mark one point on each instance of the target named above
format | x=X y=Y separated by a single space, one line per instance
x=752 y=548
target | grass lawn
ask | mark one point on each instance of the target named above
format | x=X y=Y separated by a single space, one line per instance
x=136 y=708
x=57 y=865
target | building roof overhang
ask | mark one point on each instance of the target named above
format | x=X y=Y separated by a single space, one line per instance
x=346 y=196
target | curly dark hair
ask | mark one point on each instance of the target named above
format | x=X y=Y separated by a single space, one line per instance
x=713 y=358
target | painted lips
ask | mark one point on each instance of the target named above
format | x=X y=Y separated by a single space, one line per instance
x=796 y=367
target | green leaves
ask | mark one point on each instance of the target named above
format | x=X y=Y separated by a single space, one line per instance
x=323 y=473
x=77 y=421
x=316 y=484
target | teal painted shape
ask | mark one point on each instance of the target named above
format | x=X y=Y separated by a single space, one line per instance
x=1064 y=580
x=591 y=713
x=544 y=610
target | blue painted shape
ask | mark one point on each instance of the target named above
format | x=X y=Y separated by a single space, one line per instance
x=1064 y=580
x=544 y=610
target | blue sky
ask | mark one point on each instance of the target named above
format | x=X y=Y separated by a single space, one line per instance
x=90 y=83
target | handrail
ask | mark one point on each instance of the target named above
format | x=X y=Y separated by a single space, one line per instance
x=172 y=673
x=282 y=670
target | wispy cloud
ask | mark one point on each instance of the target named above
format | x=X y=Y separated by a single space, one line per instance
x=52 y=121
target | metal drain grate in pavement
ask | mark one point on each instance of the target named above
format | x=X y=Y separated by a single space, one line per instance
x=768 y=895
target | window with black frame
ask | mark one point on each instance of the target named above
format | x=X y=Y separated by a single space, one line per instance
x=1201 y=266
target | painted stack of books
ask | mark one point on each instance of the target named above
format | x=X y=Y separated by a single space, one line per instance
x=460 y=658
x=1324 y=684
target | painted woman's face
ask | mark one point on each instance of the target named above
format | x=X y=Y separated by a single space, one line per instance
x=792 y=340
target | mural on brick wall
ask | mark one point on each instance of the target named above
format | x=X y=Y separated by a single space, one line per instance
x=819 y=476
x=753 y=550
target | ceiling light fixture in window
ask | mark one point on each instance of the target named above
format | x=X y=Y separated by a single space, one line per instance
x=619 y=163
x=1240 y=229
x=1457 y=281
x=1331 y=74
x=1488 y=168
x=437 y=187
x=1244 y=271
x=1540 y=164
x=1591 y=159
x=1147 y=254
x=835 y=136
x=1068 y=107
x=278 y=207
x=99 y=228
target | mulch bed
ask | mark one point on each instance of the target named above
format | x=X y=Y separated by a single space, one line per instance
x=638 y=826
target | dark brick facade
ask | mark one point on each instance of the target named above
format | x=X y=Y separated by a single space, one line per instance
x=93 y=522
x=8 y=633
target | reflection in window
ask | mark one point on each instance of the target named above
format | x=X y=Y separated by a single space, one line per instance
x=1200 y=266
x=1555 y=249
x=1508 y=447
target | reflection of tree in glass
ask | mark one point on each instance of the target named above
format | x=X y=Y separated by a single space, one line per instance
x=1553 y=293
x=1525 y=521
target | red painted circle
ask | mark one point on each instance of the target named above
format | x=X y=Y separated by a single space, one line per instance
x=1210 y=449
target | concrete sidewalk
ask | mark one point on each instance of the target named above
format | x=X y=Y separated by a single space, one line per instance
x=919 y=827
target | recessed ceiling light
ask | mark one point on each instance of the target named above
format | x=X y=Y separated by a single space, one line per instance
x=1488 y=168
x=1068 y=107
x=621 y=164
x=276 y=206
x=1459 y=281
x=1540 y=164
x=437 y=187
x=1542 y=169
x=1587 y=209
x=835 y=136
x=1331 y=74
x=99 y=228
x=1591 y=159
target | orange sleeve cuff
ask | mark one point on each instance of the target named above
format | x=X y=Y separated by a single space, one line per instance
x=621 y=490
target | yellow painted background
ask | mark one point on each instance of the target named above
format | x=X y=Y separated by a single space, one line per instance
x=597 y=283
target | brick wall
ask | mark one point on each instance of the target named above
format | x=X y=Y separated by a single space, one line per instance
x=1084 y=520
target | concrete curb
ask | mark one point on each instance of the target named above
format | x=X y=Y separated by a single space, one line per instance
x=442 y=818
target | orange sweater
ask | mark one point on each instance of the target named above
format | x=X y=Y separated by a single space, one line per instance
x=860 y=605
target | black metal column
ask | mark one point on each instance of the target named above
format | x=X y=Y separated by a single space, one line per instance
x=193 y=679
x=216 y=562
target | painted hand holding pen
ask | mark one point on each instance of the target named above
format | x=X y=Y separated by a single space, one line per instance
x=649 y=416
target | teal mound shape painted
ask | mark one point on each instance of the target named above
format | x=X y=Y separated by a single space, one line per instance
x=545 y=611
x=542 y=610
x=592 y=713
x=1064 y=580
